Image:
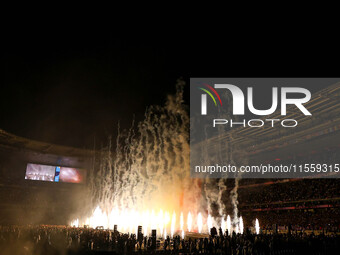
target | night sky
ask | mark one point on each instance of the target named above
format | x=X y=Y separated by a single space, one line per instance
x=70 y=86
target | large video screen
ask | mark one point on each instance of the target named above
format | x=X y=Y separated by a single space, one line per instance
x=40 y=172
x=54 y=173
x=74 y=175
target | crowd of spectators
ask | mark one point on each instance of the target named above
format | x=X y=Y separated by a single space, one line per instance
x=66 y=240
x=323 y=220
x=297 y=190
x=306 y=203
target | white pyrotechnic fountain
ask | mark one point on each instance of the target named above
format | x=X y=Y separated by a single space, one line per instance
x=182 y=225
x=199 y=222
x=173 y=224
x=130 y=187
x=75 y=223
x=257 y=226
x=209 y=223
x=153 y=220
x=189 y=222
x=241 y=227
x=160 y=222
x=223 y=224
x=163 y=222
x=229 y=225
x=145 y=224
x=166 y=220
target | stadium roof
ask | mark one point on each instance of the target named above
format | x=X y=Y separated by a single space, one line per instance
x=9 y=141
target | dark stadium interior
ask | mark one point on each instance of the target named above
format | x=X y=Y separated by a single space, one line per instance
x=298 y=216
x=295 y=205
x=68 y=94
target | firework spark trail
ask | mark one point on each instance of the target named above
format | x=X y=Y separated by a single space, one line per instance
x=215 y=189
x=148 y=170
x=234 y=202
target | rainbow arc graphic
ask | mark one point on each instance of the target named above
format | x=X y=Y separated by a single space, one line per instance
x=210 y=94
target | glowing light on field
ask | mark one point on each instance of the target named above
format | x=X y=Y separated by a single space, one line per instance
x=98 y=218
x=257 y=226
x=189 y=222
x=160 y=222
x=241 y=225
x=237 y=228
x=87 y=221
x=136 y=222
x=124 y=220
x=209 y=223
x=182 y=225
x=229 y=225
x=112 y=220
x=173 y=224
x=166 y=219
x=223 y=224
x=199 y=222
x=165 y=223
x=75 y=223
x=145 y=222
x=182 y=221
x=153 y=221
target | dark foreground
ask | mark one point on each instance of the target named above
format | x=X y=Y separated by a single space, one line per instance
x=63 y=240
